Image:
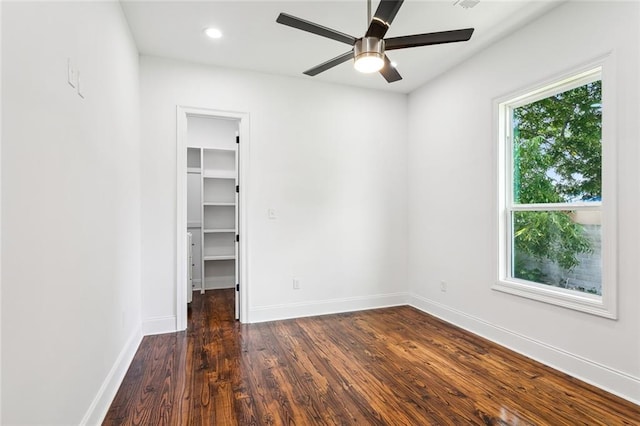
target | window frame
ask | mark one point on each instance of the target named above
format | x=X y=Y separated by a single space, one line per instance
x=605 y=305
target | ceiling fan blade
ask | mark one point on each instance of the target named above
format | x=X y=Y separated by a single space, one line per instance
x=389 y=72
x=386 y=12
x=330 y=63
x=427 y=39
x=301 y=24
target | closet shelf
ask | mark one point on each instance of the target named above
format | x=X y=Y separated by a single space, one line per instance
x=220 y=257
x=221 y=149
x=219 y=231
x=219 y=174
x=215 y=203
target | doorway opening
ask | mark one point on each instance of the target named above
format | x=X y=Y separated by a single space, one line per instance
x=211 y=226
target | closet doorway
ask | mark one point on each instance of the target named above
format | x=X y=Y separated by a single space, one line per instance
x=211 y=223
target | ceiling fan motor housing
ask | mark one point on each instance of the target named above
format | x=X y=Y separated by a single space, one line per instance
x=369 y=49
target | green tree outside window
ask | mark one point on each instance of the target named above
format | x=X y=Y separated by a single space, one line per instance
x=557 y=158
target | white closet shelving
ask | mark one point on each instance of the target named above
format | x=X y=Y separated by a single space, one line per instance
x=219 y=213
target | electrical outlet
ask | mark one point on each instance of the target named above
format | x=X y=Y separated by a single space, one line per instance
x=296 y=284
x=443 y=286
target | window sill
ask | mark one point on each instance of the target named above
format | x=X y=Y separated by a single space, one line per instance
x=583 y=302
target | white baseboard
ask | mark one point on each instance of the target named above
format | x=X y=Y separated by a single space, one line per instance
x=103 y=399
x=325 y=307
x=159 y=325
x=609 y=379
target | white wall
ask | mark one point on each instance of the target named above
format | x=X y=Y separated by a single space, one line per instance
x=330 y=159
x=453 y=193
x=70 y=210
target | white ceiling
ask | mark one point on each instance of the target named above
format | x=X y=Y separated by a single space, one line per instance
x=254 y=41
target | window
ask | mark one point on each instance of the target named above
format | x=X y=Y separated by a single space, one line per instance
x=552 y=223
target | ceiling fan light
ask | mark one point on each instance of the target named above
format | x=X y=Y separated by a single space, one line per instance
x=368 y=63
x=369 y=55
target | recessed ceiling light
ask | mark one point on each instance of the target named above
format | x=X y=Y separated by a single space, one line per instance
x=213 y=32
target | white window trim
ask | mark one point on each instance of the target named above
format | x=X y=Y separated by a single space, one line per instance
x=605 y=305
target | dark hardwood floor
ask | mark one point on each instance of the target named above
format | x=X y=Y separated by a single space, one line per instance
x=395 y=366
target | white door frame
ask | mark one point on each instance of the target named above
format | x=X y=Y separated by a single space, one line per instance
x=181 y=207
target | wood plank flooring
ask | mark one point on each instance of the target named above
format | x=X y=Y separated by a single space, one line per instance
x=395 y=366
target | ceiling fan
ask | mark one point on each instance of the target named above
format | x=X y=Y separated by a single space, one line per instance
x=368 y=52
